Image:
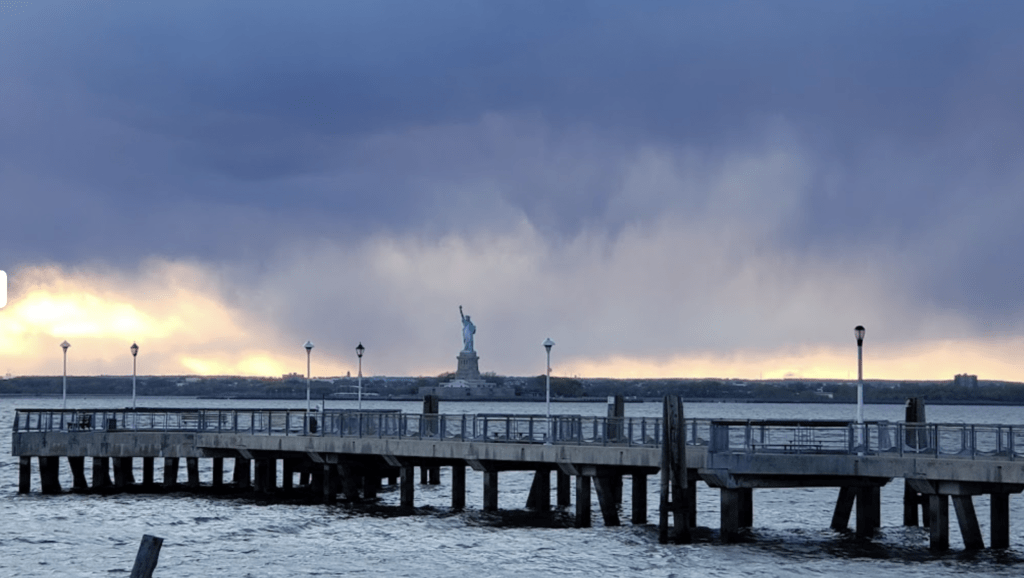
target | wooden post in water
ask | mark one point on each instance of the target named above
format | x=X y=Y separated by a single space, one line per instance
x=146 y=558
x=917 y=439
x=674 y=480
x=77 y=465
x=24 y=474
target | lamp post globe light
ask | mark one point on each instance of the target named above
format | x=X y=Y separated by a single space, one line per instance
x=64 y=395
x=135 y=355
x=309 y=348
x=359 y=353
x=547 y=386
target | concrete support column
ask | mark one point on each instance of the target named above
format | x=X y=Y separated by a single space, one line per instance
x=968 y=519
x=606 y=487
x=170 y=472
x=408 y=487
x=938 y=514
x=563 y=492
x=999 y=511
x=639 y=499
x=844 y=507
x=458 y=487
x=261 y=475
x=911 y=504
x=869 y=510
x=330 y=483
x=192 y=471
x=218 y=472
x=371 y=483
x=49 y=474
x=77 y=465
x=490 y=491
x=317 y=481
x=241 y=475
x=733 y=503
x=123 y=475
x=582 y=501
x=287 y=473
x=100 y=473
x=746 y=507
x=540 y=491
x=351 y=481
x=25 y=474
x=147 y=472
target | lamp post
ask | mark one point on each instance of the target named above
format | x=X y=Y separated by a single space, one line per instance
x=859 y=333
x=309 y=349
x=359 y=353
x=135 y=356
x=64 y=396
x=547 y=387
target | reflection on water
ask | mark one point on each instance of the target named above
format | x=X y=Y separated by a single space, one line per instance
x=73 y=535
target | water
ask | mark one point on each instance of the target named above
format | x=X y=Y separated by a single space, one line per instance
x=72 y=535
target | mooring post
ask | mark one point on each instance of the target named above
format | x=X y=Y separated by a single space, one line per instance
x=170 y=472
x=458 y=487
x=564 y=490
x=146 y=558
x=616 y=433
x=582 y=501
x=24 y=474
x=938 y=513
x=915 y=438
x=407 y=485
x=491 y=491
x=100 y=472
x=968 y=520
x=218 y=472
x=639 y=498
x=147 y=472
x=77 y=465
x=674 y=480
x=999 y=512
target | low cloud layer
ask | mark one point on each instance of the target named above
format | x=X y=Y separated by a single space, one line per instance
x=669 y=189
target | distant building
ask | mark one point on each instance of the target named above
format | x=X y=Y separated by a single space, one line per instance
x=293 y=377
x=965 y=380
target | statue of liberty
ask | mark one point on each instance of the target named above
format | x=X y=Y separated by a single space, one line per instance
x=468 y=329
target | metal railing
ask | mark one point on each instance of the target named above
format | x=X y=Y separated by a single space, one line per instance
x=494 y=428
x=870 y=438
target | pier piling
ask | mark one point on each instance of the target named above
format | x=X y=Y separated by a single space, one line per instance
x=490 y=491
x=77 y=465
x=101 y=473
x=639 y=499
x=147 y=472
x=458 y=487
x=24 y=474
x=171 y=472
x=582 y=501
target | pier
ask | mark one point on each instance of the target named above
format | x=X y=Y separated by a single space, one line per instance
x=350 y=454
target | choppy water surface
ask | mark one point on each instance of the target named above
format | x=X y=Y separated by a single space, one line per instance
x=72 y=535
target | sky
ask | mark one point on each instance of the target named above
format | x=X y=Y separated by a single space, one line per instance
x=663 y=188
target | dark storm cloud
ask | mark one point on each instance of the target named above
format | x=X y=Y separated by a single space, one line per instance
x=218 y=130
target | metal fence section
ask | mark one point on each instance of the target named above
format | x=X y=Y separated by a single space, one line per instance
x=870 y=438
x=493 y=428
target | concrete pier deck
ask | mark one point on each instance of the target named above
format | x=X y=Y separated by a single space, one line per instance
x=349 y=453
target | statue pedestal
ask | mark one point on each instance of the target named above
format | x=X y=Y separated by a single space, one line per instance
x=469 y=367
